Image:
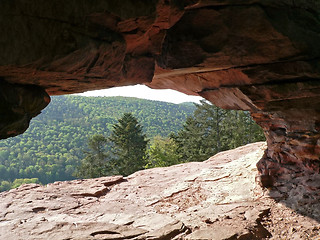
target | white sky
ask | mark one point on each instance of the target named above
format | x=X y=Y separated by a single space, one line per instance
x=142 y=91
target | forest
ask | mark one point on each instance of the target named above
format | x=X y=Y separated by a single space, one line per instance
x=56 y=143
x=56 y=140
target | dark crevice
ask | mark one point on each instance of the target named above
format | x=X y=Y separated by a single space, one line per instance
x=97 y=194
x=103 y=232
x=93 y=62
x=248 y=66
x=217 y=6
x=103 y=191
x=108 y=35
x=220 y=6
x=271 y=63
x=270 y=83
x=257 y=232
x=260 y=231
x=117 y=181
x=108 y=232
x=38 y=209
x=170 y=235
x=41 y=18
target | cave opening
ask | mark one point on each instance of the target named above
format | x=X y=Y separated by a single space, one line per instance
x=257 y=56
x=53 y=146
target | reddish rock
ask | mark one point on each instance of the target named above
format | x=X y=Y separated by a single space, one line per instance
x=261 y=56
x=216 y=199
x=18 y=104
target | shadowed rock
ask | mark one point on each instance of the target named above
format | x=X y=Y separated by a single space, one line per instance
x=255 y=55
x=18 y=105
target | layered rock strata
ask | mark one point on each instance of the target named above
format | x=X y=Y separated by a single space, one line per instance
x=255 y=55
x=216 y=199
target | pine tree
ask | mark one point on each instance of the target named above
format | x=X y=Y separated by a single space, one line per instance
x=211 y=130
x=96 y=162
x=129 y=145
x=202 y=134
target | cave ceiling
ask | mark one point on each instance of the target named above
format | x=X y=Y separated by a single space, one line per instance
x=260 y=56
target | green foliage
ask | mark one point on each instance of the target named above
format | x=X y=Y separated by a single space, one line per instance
x=18 y=182
x=129 y=145
x=53 y=146
x=96 y=162
x=200 y=137
x=7 y=185
x=211 y=130
x=163 y=152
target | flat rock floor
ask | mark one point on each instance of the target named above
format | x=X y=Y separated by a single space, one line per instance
x=216 y=199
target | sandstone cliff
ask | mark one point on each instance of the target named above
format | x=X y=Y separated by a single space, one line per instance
x=216 y=199
x=256 y=55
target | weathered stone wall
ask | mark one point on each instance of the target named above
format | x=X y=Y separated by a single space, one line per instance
x=256 y=55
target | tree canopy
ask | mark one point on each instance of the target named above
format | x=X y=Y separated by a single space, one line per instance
x=211 y=130
x=129 y=145
x=56 y=141
x=163 y=152
x=97 y=162
x=92 y=137
x=126 y=155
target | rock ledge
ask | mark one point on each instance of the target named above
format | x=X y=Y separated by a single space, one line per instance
x=216 y=199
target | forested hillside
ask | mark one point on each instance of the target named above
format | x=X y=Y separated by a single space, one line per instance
x=81 y=136
x=54 y=143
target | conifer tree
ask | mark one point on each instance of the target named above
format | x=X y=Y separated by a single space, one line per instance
x=202 y=133
x=211 y=130
x=96 y=162
x=129 y=145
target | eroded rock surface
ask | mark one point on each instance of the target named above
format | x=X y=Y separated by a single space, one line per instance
x=216 y=199
x=255 y=55
x=18 y=105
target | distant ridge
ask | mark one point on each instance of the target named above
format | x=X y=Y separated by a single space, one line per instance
x=54 y=144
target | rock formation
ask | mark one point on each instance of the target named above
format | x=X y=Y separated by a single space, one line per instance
x=18 y=104
x=216 y=199
x=255 y=55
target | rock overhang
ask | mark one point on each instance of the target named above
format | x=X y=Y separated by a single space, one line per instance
x=254 y=55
